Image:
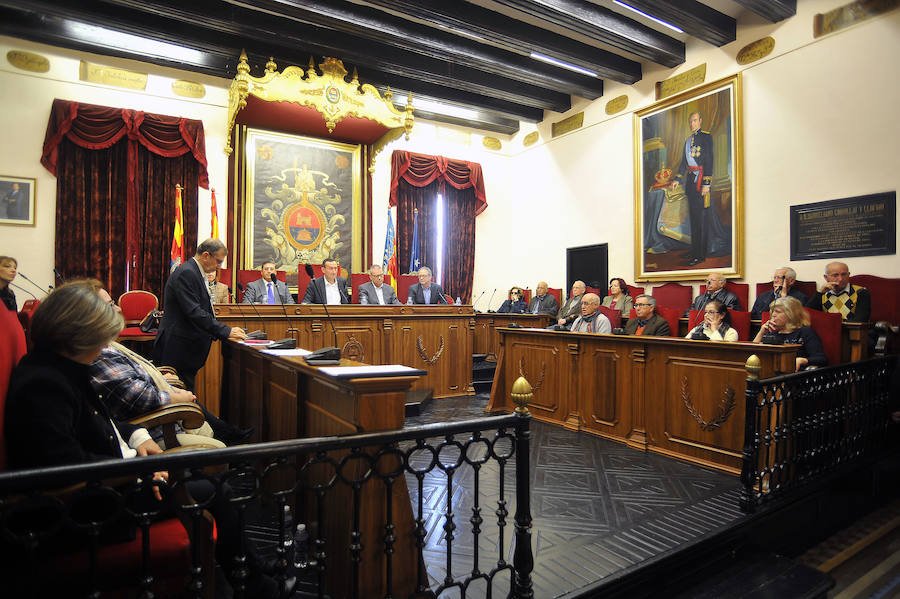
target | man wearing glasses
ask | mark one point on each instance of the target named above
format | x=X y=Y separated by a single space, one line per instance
x=782 y=286
x=646 y=321
x=838 y=295
x=375 y=291
x=425 y=291
x=715 y=290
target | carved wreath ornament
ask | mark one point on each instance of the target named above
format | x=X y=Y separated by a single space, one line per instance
x=420 y=347
x=726 y=406
x=524 y=374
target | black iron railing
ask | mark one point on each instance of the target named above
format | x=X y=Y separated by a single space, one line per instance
x=802 y=427
x=313 y=479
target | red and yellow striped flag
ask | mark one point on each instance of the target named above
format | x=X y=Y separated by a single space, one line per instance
x=215 y=216
x=177 y=255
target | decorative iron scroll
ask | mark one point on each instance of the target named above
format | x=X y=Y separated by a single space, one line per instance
x=524 y=374
x=328 y=93
x=726 y=406
x=420 y=347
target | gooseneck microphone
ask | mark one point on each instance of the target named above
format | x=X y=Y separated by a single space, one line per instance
x=326 y=356
x=21 y=274
x=257 y=334
x=289 y=342
x=490 y=300
x=23 y=289
x=476 y=300
x=234 y=301
x=59 y=275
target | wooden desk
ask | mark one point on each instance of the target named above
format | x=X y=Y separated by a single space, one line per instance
x=673 y=396
x=436 y=338
x=487 y=341
x=284 y=398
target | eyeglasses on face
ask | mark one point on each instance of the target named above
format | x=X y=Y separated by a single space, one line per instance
x=711 y=312
x=641 y=305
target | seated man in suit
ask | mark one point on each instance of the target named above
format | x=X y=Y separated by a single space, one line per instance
x=852 y=302
x=543 y=302
x=715 y=289
x=571 y=309
x=375 y=291
x=782 y=286
x=591 y=320
x=265 y=291
x=329 y=288
x=426 y=291
x=646 y=321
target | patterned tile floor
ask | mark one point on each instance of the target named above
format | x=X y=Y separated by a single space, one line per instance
x=598 y=507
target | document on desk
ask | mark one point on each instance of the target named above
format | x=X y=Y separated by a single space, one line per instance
x=286 y=352
x=359 y=372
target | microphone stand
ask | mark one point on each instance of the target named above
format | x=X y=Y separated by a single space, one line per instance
x=326 y=356
x=476 y=301
x=59 y=276
x=23 y=289
x=33 y=283
x=490 y=300
x=257 y=334
x=290 y=342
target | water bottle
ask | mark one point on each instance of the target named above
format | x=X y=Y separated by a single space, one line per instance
x=301 y=547
x=409 y=301
x=458 y=302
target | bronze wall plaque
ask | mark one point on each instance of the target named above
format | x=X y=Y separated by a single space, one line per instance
x=681 y=82
x=860 y=226
x=756 y=50
x=617 y=104
x=531 y=139
x=491 y=143
x=188 y=89
x=28 y=61
x=97 y=73
x=567 y=124
x=850 y=14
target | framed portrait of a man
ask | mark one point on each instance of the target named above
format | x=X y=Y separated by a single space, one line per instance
x=688 y=184
x=16 y=201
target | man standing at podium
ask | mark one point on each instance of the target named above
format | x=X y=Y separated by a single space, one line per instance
x=264 y=291
x=375 y=291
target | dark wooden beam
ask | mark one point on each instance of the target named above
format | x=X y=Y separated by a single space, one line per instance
x=479 y=119
x=772 y=10
x=605 y=26
x=480 y=23
x=692 y=17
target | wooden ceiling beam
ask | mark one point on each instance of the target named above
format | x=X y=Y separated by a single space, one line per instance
x=771 y=10
x=692 y=17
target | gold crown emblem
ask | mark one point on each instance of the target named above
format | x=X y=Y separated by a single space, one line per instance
x=664 y=175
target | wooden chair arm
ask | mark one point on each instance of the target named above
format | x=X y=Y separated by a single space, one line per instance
x=189 y=414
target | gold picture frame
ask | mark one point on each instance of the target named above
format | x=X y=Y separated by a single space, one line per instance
x=17 y=200
x=684 y=178
x=302 y=201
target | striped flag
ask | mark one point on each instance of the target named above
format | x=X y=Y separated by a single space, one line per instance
x=215 y=216
x=414 y=248
x=389 y=262
x=177 y=255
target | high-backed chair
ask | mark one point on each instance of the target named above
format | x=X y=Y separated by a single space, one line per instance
x=635 y=291
x=403 y=285
x=137 y=304
x=614 y=316
x=740 y=320
x=671 y=315
x=526 y=295
x=885 y=297
x=741 y=290
x=596 y=290
x=557 y=293
x=827 y=326
x=673 y=295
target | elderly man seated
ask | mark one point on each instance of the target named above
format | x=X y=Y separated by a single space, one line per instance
x=838 y=295
x=715 y=290
x=591 y=320
x=571 y=309
x=646 y=321
x=782 y=286
x=543 y=302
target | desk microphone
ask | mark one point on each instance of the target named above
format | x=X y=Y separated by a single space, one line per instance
x=490 y=300
x=290 y=342
x=257 y=334
x=476 y=300
x=21 y=274
x=326 y=356
x=23 y=289
x=234 y=301
x=59 y=275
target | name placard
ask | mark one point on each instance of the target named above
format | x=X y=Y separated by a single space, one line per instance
x=860 y=226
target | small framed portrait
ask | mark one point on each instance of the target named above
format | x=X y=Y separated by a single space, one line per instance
x=16 y=201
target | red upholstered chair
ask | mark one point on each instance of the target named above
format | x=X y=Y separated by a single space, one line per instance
x=357 y=279
x=673 y=295
x=527 y=296
x=557 y=293
x=25 y=315
x=671 y=315
x=741 y=290
x=740 y=320
x=596 y=291
x=885 y=297
x=634 y=291
x=827 y=326
x=137 y=304
x=614 y=316
x=403 y=285
x=12 y=348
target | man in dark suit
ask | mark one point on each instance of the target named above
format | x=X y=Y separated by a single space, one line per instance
x=329 y=288
x=375 y=291
x=646 y=321
x=543 y=302
x=782 y=286
x=264 y=291
x=426 y=291
x=695 y=172
x=188 y=326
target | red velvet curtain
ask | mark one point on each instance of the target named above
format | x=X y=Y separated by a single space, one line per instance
x=116 y=172
x=416 y=179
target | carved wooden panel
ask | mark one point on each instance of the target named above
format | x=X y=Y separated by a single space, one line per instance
x=606 y=382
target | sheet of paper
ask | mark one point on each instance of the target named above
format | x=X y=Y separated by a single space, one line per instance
x=286 y=352
x=362 y=371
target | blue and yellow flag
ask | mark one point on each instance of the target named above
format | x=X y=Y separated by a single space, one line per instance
x=389 y=262
x=414 y=263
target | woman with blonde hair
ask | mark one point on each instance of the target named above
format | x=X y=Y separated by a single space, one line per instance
x=789 y=323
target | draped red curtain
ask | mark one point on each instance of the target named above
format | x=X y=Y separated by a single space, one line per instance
x=416 y=180
x=116 y=172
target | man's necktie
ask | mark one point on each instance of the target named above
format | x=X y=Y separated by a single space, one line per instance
x=271 y=294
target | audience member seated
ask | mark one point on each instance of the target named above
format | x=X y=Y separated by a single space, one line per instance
x=618 y=297
x=571 y=309
x=426 y=291
x=264 y=291
x=782 y=286
x=789 y=323
x=715 y=289
x=591 y=320
x=515 y=304
x=646 y=321
x=8 y=266
x=51 y=400
x=329 y=288
x=838 y=295
x=375 y=291
x=218 y=290
x=716 y=325
x=543 y=302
